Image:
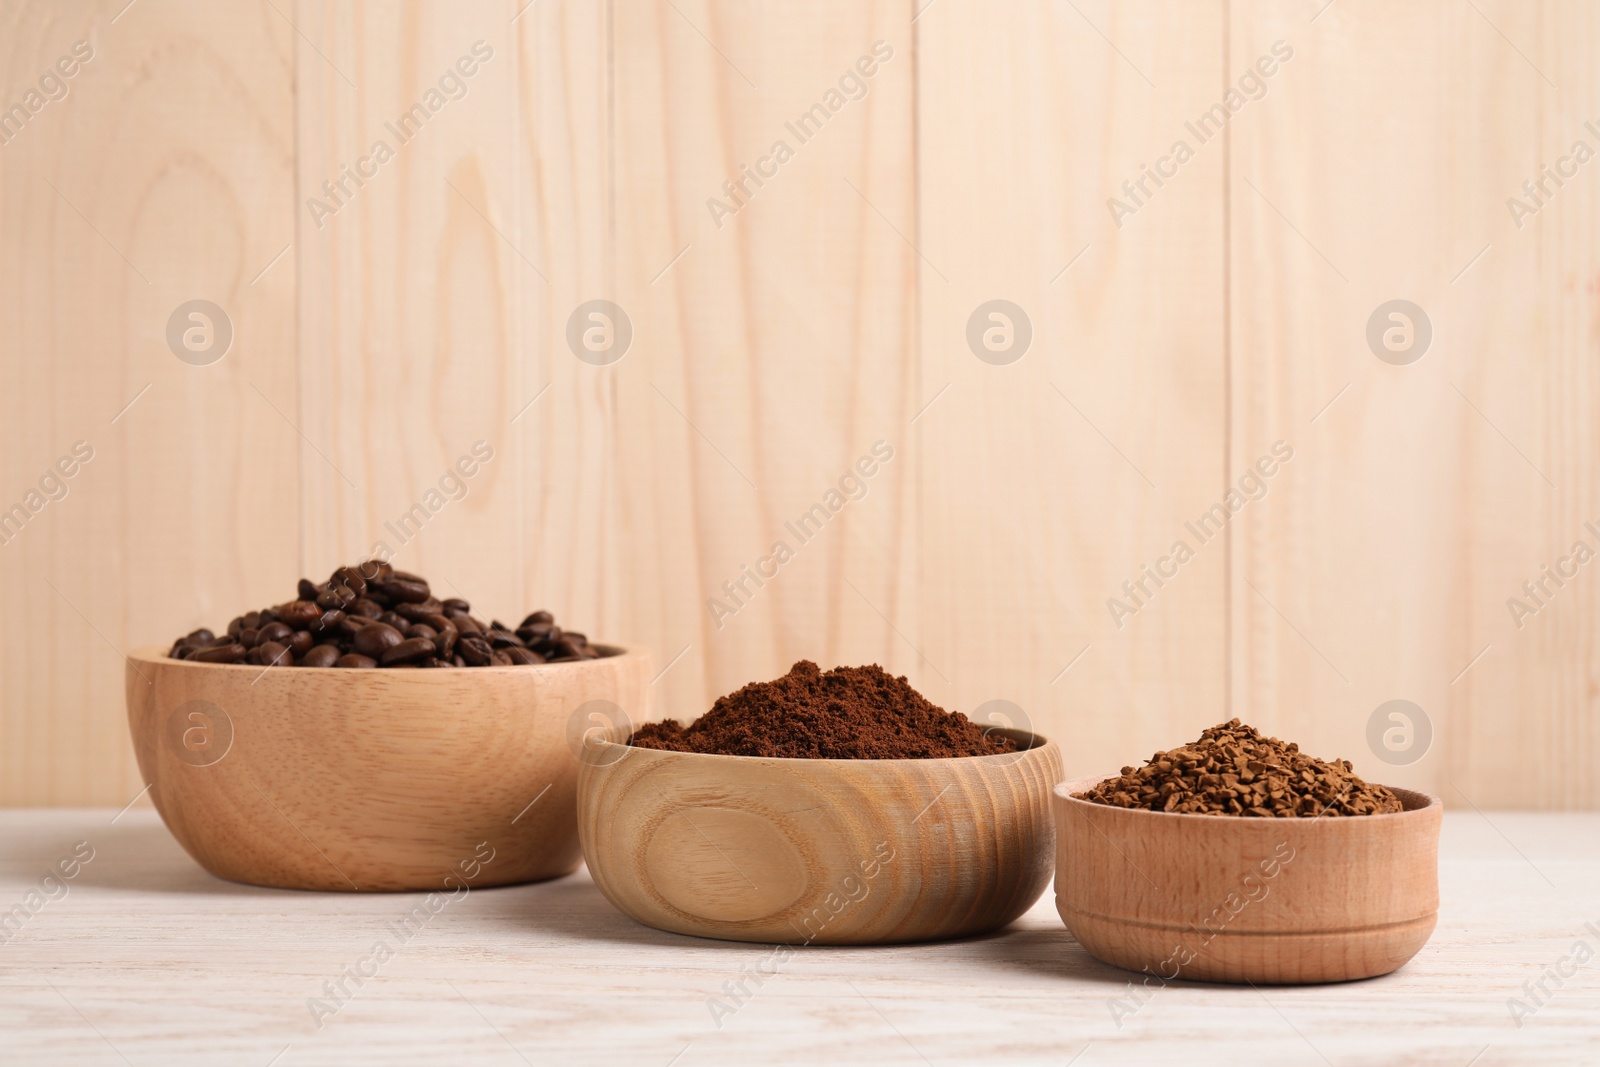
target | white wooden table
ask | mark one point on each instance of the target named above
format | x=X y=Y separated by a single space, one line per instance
x=146 y=959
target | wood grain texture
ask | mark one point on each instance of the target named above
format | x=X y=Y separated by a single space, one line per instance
x=546 y=968
x=347 y=780
x=166 y=174
x=1225 y=899
x=1049 y=482
x=819 y=851
x=773 y=345
x=1421 y=497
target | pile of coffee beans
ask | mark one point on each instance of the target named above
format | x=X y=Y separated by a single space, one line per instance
x=1233 y=770
x=372 y=615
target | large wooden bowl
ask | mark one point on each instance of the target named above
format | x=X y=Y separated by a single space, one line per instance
x=1228 y=899
x=389 y=779
x=826 y=851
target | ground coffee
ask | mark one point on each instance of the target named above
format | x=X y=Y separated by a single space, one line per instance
x=845 y=713
x=372 y=615
x=1233 y=770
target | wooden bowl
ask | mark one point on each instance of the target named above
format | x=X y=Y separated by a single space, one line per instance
x=826 y=851
x=389 y=779
x=1228 y=899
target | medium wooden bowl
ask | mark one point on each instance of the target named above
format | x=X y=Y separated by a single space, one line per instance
x=825 y=851
x=1228 y=899
x=389 y=779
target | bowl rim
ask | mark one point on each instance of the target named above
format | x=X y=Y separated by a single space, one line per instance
x=1064 y=791
x=1041 y=744
x=157 y=655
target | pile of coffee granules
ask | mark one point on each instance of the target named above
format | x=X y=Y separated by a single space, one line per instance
x=845 y=713
x=1233 y=770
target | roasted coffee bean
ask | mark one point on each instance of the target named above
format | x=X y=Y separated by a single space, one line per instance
x=501 y=639
x=502 y=658
x=322 y=656
x=455 y=603
x=308 y=591
x=355 y=660
x=273 y=631
x=447 y=635
x=273 y=654
x=335 y=596
x=466 y=623
x=522 y=655
x=404 y=590
x=299 y=614
x=376 y=638
x=459 y=661
x=412 y=648
x=475 y=650
x=496 y=624
x=300 y=642
x=235 y=626
x=575 y=636
x=327 y=623
x=268 y=615
x=538 y=618
x=248 y=637
x=423 y=630
x=418 y=611
x=350 y=624
x=368 y=609
x=251 y=620
x=351 y=579
x=569 y=647
x=395 y=619
x=233 y=653
x=432 y=661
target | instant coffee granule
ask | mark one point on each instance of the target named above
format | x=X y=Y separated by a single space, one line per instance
x=845 y=713
x=1233 y=770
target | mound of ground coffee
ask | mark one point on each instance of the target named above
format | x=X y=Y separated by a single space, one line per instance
x=1233 y=770
x=372 y=615
x=845 y=713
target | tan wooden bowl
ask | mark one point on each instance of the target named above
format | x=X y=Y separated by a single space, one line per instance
x=825 y=851
x=324 y=778
x=1231 y=899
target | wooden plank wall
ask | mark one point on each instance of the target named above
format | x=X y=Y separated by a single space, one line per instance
x=964 y=153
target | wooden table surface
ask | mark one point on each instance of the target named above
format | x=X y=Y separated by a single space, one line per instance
x=145 y=958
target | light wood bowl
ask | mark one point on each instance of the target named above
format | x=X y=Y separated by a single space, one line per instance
x=825 y=851
x=386 y=779
x=1228 y=899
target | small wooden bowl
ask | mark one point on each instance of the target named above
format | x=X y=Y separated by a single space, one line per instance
x=1228 y=899
x=389 y=779
x=825 y=851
